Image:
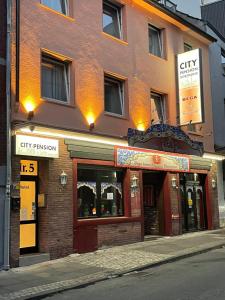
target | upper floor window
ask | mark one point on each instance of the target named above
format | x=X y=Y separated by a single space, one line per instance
x=112 y=19
x=114 y=95
x=187 y=47
x=58 y=5
x=158 y=114
x=54 y=79
x=155 y=41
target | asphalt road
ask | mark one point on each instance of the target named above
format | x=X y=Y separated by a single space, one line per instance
x=200 y=277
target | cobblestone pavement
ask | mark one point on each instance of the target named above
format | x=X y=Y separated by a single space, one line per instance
x=80 y=269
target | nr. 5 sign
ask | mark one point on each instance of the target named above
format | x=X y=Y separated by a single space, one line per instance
x=28 y=167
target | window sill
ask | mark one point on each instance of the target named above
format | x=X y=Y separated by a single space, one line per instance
x=195 y=133
x=158 y=57
x=56 y=12
x=107 y=220
x=58 y=102
x=122 y=117
x=114 y=38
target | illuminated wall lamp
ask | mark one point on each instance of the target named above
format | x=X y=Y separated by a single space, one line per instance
x=134 y=183
x=213 y=183
x=63 y=178
x=174 y=182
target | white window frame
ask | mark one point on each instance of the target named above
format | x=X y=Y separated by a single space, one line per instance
x=159 y=34
x=66 y=7
x=118 y=13
x=120 y=84
x=66 y=71
x=162 y=105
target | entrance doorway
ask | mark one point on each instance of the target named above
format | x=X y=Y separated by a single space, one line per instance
x=153 y=202
x=28 y=207
x=193 y=203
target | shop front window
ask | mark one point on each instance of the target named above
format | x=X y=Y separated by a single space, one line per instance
x=99 y=192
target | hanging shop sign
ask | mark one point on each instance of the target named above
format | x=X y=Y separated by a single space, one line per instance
x=151 y=160
x=28 y=167
x=190 y=87
x=36 y=146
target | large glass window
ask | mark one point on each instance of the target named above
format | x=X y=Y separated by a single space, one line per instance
x=58 y=5
x=99 y=192
x=157 y=108
x=114 y=96
x=155 y=41
x=112 y=19
x=54 y=79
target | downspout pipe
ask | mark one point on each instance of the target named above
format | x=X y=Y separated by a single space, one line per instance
x=8 y=132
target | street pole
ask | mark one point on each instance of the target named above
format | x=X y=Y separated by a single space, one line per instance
x=8 y=132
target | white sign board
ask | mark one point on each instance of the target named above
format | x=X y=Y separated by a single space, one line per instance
x=36 y=146
x=189 y=82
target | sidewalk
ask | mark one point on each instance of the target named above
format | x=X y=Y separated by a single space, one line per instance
x=82 y=269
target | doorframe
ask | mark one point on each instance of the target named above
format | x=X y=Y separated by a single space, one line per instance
x=36 y=247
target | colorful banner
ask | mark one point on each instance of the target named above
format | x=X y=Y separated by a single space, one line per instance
x=189 y=82
x=151 y=160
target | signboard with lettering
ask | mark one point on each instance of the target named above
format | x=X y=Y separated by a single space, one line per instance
x=36 y=146
x=28 y=167
x=150 y=159
x=190 y=90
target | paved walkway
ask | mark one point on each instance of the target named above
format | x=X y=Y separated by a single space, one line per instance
x=81 y=269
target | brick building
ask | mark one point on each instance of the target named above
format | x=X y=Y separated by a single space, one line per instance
x=99 y=156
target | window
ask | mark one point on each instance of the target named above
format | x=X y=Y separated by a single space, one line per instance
x=99 y=192
x=58 y=5
x=54 y=79
x=112 y=19
x=187 y=47
x=157 y=108
x=114 y=95
x=155 y=41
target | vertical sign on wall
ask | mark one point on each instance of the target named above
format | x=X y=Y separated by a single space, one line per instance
x=190 y=89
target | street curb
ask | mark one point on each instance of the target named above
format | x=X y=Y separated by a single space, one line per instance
x=105 y=277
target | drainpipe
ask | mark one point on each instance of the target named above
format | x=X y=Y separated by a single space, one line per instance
x=8 y=130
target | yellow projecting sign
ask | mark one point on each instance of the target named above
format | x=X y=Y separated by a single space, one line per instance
x=28 y=167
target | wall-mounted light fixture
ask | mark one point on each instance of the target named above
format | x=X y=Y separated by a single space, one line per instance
x=134 y=184
x=213 y=183
x=195 y=177
x=91 y=121
x=63 y=178
x=29 y=106
x=174 y=182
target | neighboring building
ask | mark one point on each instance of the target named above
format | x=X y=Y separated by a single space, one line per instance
x=213 y=23
x=2 y=124
x=190 y=7
x=95 y=80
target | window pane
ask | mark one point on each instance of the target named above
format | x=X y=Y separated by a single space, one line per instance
x=99 y=192
x=155 y=46
x=58 y=5
x=157 y=109
x=54 y=81
x=113 y=97
x=111 y=20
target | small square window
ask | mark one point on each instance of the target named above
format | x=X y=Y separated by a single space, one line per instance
x=58 y=5
x=112 y=19
x=187 y=47
x=54 y=79
x=155 y=41
x=157 y=109
x=114 y=96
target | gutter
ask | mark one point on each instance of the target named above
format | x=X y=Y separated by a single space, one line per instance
x=8 y=130
x=173 y=15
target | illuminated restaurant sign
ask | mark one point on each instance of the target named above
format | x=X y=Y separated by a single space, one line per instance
x=36 y=146
x=151 y=160
x=190 y=91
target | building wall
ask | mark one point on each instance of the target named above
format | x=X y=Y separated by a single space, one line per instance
x=92 y=53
